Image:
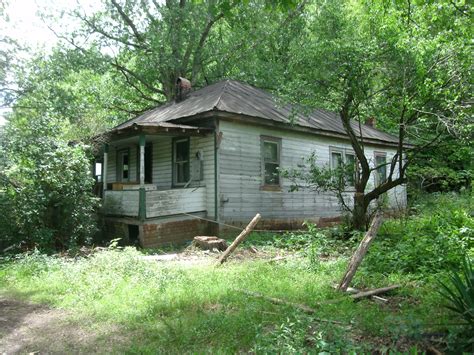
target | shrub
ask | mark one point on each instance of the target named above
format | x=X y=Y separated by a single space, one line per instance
x=436 y=238
x=47 y=187
x=459 y=294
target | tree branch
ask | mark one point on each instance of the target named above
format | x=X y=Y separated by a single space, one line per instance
x=128 y=21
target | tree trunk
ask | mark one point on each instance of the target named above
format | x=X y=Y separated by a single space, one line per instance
x=359 y=213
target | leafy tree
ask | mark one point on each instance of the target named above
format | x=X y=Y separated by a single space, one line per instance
x=47 y=186
x=399 y=64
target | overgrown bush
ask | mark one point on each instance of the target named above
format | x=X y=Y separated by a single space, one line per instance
x=434 y=239
x=459 y=294
x=46 y=187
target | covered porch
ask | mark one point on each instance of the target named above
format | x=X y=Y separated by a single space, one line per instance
x=159 y=171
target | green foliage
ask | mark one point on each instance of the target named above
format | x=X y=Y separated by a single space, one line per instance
x=47 y=187
x=432 y=240
x=459 y=294
x=183 y=308
x=312 y=175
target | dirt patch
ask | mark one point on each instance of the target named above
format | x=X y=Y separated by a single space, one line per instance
x=29 y=328
x=193 y=256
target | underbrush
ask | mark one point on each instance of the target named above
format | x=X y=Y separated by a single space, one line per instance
x=167 y=307
x=435 y=238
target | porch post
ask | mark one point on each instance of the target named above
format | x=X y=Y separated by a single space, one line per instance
x=104 y=167
x=142 y=201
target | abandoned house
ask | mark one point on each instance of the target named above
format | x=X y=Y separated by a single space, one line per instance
x=213 y=155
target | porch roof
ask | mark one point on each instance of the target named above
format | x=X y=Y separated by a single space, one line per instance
x=160 y=127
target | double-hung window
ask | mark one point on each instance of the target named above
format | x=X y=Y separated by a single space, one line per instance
x=343 y=158
x=381 y=165
x=271 y=151
x=181 y=161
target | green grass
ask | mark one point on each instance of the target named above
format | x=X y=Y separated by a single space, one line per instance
x=172 y=308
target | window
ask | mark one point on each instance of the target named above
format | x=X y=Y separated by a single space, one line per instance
x=351 y=169
x=180 y=161
x=123 y=165
x=341 y=156
x=271 y=160
x=381 y=172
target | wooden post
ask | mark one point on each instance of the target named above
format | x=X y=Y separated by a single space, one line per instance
x=359 y=254
x=240 y=238
x=142 y=196
x=104 y=167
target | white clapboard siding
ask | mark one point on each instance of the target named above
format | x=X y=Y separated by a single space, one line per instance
x=176 y=201
x=121 y=203
x=240 y=175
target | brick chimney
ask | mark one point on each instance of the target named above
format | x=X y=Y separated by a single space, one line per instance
x=183 y=88
x=371 y=121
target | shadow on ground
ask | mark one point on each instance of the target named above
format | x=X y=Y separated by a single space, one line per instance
x=27 y=327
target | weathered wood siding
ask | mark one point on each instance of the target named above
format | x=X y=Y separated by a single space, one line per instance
x=240 y=175
x=162 y=167
x=176 y=201
x=121 y=203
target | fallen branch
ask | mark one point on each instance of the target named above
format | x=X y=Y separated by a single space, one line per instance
x=241 y=237
x=374 y=292
x=274 y=300
x=280 y=301
x=359 y=254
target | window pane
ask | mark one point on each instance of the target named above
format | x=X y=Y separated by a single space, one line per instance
x=182 y=172
x=350 y=172
x=182 y=150
x=336 y=160
x=125 y=166
x=380 y=161
x=271 y=174
x=270 y=151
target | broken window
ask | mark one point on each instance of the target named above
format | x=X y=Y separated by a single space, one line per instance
x=271 y=160
x=180 y=161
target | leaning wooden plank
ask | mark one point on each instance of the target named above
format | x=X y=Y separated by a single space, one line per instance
x=359 y=254
x=240 y=238
x=374 y=291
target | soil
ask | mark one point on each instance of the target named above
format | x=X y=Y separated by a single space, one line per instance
x=31 y=328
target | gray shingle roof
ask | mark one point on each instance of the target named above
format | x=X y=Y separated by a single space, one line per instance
x=235 y=97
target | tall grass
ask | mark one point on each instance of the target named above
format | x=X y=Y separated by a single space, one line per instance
x=173 y=308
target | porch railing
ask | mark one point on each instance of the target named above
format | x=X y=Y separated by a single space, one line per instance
x=158 y=203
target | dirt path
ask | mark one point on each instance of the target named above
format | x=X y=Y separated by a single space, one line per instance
x=30 y=328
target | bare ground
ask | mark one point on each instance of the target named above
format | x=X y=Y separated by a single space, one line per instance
x=31 y=328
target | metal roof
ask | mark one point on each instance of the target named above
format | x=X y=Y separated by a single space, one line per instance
x=230 y=96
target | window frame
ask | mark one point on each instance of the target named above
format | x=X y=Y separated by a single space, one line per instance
x=174 y=141
x=119 y=164
x=344 y=152
x=278 y=142
x=378 y=154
